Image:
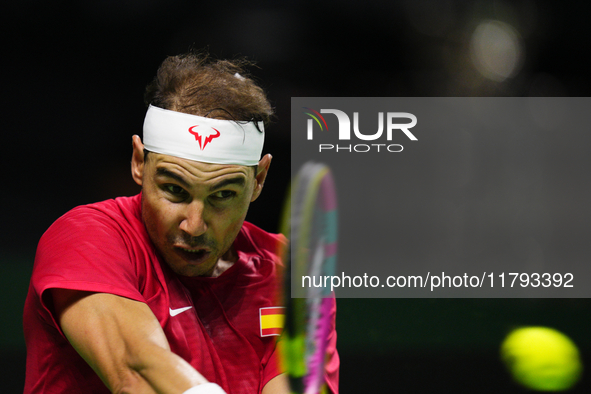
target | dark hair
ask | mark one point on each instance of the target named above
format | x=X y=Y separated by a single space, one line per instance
x=196 y=84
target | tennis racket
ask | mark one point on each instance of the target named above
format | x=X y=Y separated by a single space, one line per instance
x=310 y=224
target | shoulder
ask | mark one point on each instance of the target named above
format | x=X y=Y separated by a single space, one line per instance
x=96 y=247
x=118 y=209
x=95 y=223
x=114 y=212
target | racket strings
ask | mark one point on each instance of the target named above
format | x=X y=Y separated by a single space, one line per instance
x=311 y=229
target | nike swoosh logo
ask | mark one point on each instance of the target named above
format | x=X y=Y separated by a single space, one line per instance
x=174 y=312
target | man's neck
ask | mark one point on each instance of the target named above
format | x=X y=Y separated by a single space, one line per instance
x=226 y=261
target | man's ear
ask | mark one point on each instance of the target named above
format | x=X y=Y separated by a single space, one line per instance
x=137 y=160
x=261 y=175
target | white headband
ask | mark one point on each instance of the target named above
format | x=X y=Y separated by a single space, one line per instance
x=203 y=139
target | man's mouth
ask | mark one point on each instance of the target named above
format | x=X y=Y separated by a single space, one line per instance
x=194 y=256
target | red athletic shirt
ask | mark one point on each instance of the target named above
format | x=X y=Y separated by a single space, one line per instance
x=213 y=323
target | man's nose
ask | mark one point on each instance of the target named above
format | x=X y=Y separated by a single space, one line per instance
x=193 y=222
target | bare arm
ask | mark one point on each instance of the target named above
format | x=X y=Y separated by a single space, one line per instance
x=123 y=342
x=278 y=385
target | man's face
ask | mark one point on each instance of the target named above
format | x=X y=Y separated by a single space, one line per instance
x=193 y=210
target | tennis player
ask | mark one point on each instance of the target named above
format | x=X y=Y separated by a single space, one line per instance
x=171 y=290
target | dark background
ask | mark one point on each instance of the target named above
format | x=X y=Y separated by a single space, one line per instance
x=73 y=76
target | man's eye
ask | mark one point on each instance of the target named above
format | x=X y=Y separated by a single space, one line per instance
x=174 y=189
x=223 y=194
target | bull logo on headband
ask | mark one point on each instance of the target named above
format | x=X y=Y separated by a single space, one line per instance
x=205 y=136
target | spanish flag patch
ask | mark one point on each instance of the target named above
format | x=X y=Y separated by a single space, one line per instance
x=271 y=319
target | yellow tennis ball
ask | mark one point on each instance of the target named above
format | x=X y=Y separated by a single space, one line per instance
x=541 y=358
